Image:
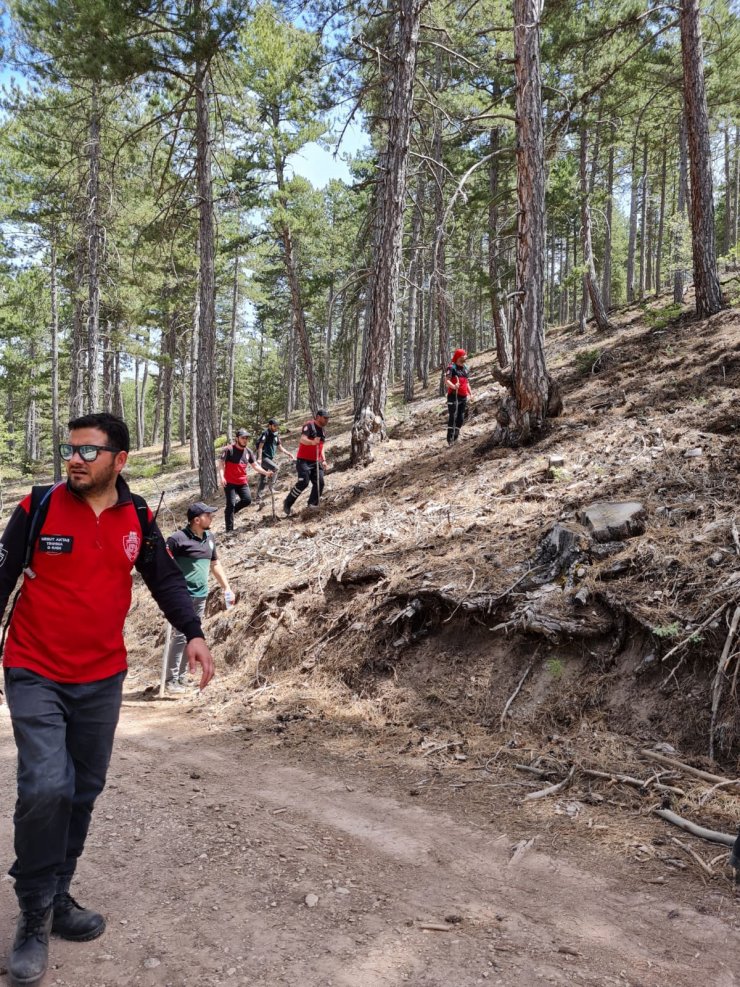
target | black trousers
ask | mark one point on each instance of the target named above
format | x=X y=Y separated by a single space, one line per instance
x=267 y=464
x=455 y=416
x=308 y=472
x=237 y=497
x=64 y=736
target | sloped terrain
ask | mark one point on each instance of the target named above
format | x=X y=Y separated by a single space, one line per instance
x=421 y=619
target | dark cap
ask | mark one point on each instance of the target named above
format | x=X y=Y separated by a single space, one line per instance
x=198 y=508
x=273 y=421
x=242 y=433
x=322 y=413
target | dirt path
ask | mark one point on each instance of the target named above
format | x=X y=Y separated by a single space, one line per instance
x=202 y=854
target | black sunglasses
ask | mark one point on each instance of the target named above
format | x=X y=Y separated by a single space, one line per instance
x=88 y=453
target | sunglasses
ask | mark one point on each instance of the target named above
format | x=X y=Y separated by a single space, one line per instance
x=88 y=453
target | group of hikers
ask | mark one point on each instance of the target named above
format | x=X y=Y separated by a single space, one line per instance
x=74 y=544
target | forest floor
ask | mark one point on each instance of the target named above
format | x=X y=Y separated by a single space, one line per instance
x=346 y=803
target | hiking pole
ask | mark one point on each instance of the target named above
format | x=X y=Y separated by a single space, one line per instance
x=165 y=654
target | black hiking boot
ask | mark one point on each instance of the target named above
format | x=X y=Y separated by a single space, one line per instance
x=287 y=507
x=73 y=922
x=29 y=956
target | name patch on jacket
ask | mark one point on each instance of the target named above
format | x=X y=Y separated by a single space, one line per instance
x=56 y=544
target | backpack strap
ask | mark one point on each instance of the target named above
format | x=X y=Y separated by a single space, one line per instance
x=39 y=508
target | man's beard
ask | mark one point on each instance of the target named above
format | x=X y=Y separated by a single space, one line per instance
x=83 y=483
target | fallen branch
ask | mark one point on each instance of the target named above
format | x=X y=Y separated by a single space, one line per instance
x=694 y=633
x=687 y=768
x=694 y=855
x=629 y=780
x=704 y=834
x=722 y=665
x=516 y=691
x=552 y=789
x=722 y=784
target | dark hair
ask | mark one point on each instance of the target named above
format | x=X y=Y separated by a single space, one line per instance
x=114 y=427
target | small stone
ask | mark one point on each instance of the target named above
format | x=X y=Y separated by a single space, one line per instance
x=556 y=462
x=311 y=900
x=693 y=453
x=152 y=963
x=716 y=558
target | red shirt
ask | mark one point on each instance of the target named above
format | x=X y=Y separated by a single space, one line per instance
x=236 y=460
x=459 y=375
x=310 y=452
x=67 y=624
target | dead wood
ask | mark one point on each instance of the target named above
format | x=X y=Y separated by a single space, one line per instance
x=694 y=856
x=705 y=834
x=357 y=577
x=687 y=768
x=529 y=621
x=693 y=635
x=629 y=780
x=719 y=678
x=516 y=691
x=552 y=789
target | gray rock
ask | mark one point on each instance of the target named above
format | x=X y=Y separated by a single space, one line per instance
x=611 y=521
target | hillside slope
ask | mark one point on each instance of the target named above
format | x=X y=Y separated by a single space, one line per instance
x=419 y=618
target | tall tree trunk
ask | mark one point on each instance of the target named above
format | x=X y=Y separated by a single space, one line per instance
x=728 y=193
x=183 y=425
x=77 y=355
x=606 y=274
x=736 y=196
x=194 y=337
x=661 y=227
x=167 y=375
x=532 y=390
x=592 y=284
x=632 y=242
x=54 y=292
x=681 y=199
x=94 y=235
x=138 y=403
x=413 y=293
x=643 y=217
x=118 y=408
x=106 y=340
x=706 y=281
x=498 y=313
x=232 y=347
x=439 y=252
x=370 y=409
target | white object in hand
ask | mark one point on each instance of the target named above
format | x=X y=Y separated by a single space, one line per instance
x=229 y=599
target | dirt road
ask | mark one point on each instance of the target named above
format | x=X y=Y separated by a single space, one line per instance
x=203 y=854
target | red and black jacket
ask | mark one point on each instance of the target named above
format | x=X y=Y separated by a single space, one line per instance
x=459 y=375
x=236 y=460
x=67 y=624
x=311 y=453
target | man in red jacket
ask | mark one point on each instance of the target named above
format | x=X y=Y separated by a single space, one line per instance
x=236 y=459
x=64 y=665
x=310 y=462
x=458 y=392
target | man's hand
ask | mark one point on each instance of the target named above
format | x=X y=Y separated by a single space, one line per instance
x=222 y=481
x=196 y=651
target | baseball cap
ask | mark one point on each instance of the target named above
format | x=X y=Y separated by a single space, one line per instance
x=322 y=412
x=458 y=355
x=273 y=421
x=198 y=508
x=241 y=433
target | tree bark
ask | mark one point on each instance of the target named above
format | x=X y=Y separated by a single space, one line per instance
x=643 y=216
x=632 y=242
x=54 y=292
x=532 y=391
x=413 y=293
x=606 y=274
x=194 y=337
x=706 y=280
x=94 y=236
x=678 y=271
x=206 y=400
x=232 y=346
x=592 y=284
x=661 y=227
x=498 y=313
x=369 y=415
x=167 y=375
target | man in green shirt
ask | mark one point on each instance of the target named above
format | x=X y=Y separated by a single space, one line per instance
x=194 y=550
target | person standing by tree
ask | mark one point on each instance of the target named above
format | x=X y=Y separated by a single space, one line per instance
x=236 y=459
x=64 y=665
x=267 y=444
x=310 y=462
x=194 y=549
x=458 y=392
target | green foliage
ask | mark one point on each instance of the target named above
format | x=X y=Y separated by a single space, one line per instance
x=659 y=318
x=555 y=668
x=667 y=630
x=586 y=360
